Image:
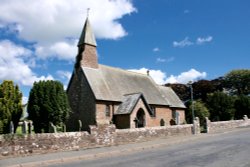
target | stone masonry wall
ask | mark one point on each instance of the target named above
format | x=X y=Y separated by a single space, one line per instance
x=223 y=125
x=103 y=135
x=13 y=145
x=82 y=102
x=142 y=134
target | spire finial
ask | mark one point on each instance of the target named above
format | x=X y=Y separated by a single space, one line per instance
x=88 y=9
x=87 y=35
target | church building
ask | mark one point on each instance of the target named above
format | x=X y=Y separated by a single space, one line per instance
x=100 y=94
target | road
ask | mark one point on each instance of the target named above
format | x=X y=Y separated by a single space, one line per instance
x=230 y=149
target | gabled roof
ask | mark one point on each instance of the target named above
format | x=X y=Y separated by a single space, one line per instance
x=171 y=96
x=129 y=102
x=87 y=36
x=111 y=84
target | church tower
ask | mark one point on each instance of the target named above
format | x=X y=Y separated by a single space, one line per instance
x=87 y=54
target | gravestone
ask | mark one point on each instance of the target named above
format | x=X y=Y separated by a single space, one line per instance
x=29 y=127
x=24 y=127
x=80 y=125
x=11 y=127
x=52 y=128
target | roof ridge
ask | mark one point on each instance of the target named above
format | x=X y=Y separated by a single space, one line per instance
x=136 y=93
x=121 y=69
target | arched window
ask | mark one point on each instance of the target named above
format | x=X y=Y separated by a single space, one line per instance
x=162 y=122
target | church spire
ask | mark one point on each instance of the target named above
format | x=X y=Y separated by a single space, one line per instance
x=87 y=54
x=87 y=36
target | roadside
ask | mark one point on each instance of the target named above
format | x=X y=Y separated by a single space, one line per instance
x=70 y=156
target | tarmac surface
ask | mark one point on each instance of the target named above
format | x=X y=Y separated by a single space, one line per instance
x=95 y=153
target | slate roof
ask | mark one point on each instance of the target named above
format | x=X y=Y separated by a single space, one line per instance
x=171 y=96
x=111 y=84
x=128 y=103
x=87 y=36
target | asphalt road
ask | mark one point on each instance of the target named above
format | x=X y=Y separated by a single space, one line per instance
x=230 y=149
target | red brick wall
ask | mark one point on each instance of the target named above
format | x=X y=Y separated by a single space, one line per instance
x=89 y=57
x=161 y=112
x=181 y=115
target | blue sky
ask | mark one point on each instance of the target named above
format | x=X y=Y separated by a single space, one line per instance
x=177 y=40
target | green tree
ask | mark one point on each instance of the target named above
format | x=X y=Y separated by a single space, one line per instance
x=221 y=106
x=10 y=105
x=47 y=103
x=238 y=82
x=242 y=106
x=202 y=88
x=200 y=110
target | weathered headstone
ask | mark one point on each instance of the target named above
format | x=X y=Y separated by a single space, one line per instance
x=11 y=127
x=245 y=118
x=64 y=128
x=29 y=127
x=24 y=127
x=80 y=125
x=52 y=128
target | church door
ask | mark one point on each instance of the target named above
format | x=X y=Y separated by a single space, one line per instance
x=140 y=118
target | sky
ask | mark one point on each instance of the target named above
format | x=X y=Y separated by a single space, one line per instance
x=176 y=40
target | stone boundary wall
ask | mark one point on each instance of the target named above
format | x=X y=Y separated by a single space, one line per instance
x=223 y=125
x=143 y=134
x=102 y=135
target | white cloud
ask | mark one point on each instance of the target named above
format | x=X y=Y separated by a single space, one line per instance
x=160 y=60
x=49 y=23
x=25 y=100
x=156 y=49
x=186 y=42
x=46 y=20
x=157 y=75
x=65 y=77
x=13 y=65
x=201 y=40
x=187 y=76
x=183 y=43
x=170 y=59
x=64 y=50
x=160 y=77
x=64 y=74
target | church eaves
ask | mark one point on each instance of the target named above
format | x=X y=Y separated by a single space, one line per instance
x=87 y=36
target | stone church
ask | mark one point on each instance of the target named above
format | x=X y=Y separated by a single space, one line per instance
x=100 y=94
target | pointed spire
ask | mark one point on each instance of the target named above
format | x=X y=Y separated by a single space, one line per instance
x=87 y=54
x=87 y=36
